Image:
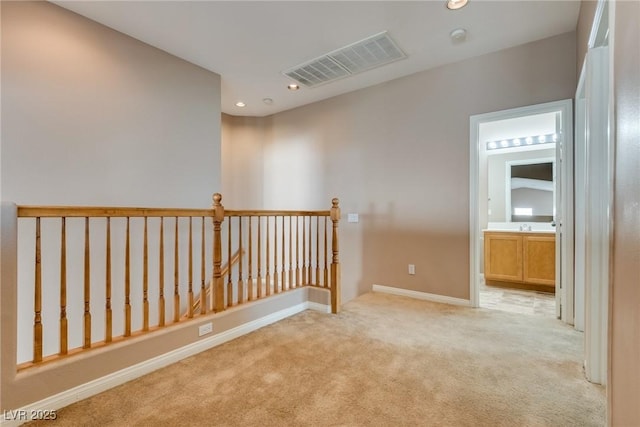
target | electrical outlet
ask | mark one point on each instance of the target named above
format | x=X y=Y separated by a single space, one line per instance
x=412 y=269
x=205 y=329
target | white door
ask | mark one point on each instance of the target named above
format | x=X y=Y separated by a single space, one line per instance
x=564 y=218
x=597 y=184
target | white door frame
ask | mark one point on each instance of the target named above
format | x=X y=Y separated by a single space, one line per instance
x=580 y=197
x=565 y=107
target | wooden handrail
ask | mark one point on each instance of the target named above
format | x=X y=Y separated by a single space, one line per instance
x=106 y=212
x=275 y=213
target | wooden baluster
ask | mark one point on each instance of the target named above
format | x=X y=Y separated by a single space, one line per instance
x=145 y=279
x=37 y=303
x=268 y=277
x=283 y=272
x=127 y=283
x=161 y=302
x=326 y=269
x=203 y=289
x=190 y=309
x=335 y=263
x=229 y=283
x=275 y=255
x=250 y=267
x=291 y=285
x=64 y=346
x=108 y=333
x=317 y=282
x=87 y=286
x=259 y=258
x=240 y=282
x=176 y=277
x=310 y=269
x=304 y=252
x=218 y=217
x=297 y=252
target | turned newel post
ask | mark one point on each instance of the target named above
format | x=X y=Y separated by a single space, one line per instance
x=218 y=285
x=335 y=263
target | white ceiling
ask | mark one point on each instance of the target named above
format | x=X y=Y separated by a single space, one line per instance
x=250 y=43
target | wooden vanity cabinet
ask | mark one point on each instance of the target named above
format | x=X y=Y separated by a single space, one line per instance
x=520 y=258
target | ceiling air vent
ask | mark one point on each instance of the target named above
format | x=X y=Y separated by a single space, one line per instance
x=372 y=52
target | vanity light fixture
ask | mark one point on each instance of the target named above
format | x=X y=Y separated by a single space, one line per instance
x=240 y=104
x=293 y=87
x=517 y=142
x=456 y=4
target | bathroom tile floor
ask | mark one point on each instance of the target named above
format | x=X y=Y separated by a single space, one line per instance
x=517 y=301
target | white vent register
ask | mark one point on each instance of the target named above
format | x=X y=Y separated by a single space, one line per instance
x=372 y=52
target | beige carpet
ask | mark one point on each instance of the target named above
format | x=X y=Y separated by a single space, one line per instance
x=384 y=361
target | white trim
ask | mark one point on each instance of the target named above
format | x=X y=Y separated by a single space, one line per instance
x=421 y=295
x=598 y=213
x=599 y=34
x=580 y=198
x=316 y=306
x=99 y=385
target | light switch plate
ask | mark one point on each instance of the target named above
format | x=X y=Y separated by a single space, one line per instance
x=353 y=217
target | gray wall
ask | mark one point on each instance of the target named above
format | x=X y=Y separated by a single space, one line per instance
x=91 y=116
x=398 y=154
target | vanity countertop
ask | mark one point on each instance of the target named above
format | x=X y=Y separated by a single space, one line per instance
x=514 y=227
x=502 y=230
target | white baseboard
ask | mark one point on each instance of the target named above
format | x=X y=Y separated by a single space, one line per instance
x=316 y=306
x=421 y=295
x=60 y=400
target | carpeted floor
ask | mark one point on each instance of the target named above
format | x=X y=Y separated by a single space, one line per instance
x=384 y=361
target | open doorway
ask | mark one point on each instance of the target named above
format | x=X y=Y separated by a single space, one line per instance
x=521 y=210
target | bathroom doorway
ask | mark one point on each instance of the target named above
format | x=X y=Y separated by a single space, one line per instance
x=521 y=206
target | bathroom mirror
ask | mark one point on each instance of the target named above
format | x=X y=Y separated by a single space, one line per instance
x=530 y=190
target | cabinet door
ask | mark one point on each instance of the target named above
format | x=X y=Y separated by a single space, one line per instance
x=503 y=257
x=539 y=259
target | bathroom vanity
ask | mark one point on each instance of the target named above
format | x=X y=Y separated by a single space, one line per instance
x=522 y=259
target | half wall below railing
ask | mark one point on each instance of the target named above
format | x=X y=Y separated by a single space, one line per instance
x=103 y=274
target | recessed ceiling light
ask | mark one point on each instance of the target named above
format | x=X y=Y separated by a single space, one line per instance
x=268 y=101
x=293 y=87
x=240 y=104
x=456 y=4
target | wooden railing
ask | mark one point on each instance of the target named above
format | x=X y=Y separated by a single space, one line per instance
x=266 y=253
